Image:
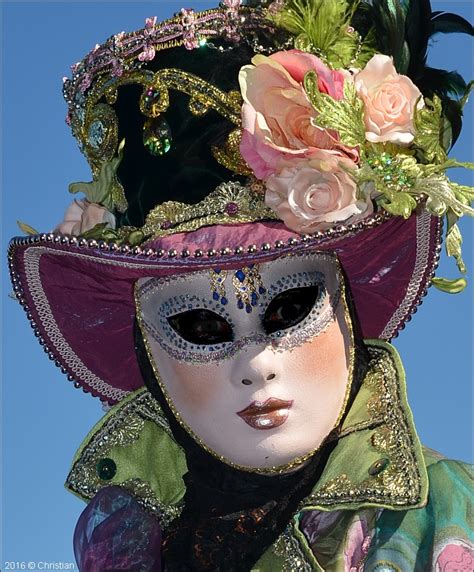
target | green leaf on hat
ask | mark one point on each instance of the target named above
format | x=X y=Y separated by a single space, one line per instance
x=105 y=190
x=26 y=228
x=450 y=286
x=346 y=115
x=400 y=204
x=430 y=126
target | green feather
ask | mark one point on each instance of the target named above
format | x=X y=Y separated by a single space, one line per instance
x=323 y=28
x=389 y=19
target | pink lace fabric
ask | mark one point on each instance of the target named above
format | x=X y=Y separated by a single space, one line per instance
x=115 y=533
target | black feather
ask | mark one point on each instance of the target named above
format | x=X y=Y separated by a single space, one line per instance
x=418 y=30
x=445 y=23
x=442 y=83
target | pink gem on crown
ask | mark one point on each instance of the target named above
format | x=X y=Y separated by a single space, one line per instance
x=189 y=30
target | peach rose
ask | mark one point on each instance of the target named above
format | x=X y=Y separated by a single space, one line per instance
x=82 y=216
x=390 y=100
x=276 y=115
x=315 y=193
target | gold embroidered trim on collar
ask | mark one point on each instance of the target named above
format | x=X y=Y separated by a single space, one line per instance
x=377 y=461
x=386 y=467
x=121 y=428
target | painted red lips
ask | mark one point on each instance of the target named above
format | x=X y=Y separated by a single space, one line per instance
x=267 y=415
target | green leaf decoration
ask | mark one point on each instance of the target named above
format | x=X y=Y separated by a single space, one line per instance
x=400 y=204
x=429 y=125
x=135 y=237
x=106 y=190
x=444 y=196
x=96 y=232
x=26 y=228
x=449 y=286
x=125 y=235
x=346 y=116
x=324 y=27
x=453 y=246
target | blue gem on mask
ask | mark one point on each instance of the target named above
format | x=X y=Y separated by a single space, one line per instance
x=240 y=275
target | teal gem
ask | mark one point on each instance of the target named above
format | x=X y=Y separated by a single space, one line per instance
x=157 y=137
x=106 y=469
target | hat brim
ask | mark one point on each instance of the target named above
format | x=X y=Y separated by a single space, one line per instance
x=78 y=294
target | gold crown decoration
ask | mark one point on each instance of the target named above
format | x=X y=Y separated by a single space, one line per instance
x=122 y=60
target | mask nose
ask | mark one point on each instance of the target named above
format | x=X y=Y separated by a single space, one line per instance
x=254 y=369
x=269 y=377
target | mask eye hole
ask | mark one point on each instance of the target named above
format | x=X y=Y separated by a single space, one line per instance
x=289 y=308
x=201 y=327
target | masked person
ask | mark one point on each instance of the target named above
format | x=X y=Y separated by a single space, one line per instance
x=265 y=215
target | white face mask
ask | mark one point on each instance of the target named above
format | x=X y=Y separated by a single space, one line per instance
x=256 y=363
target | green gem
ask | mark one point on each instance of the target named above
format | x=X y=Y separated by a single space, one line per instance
x=106 y=469
x=379 y=466
x=157 y=137
x=388 y=178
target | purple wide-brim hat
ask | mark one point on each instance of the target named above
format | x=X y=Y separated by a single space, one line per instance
x=78 y=294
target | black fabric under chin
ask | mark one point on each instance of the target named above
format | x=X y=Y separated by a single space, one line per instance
x=230 y=517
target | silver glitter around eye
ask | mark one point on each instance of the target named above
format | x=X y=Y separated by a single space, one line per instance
x=169 y=339
x=319 y=318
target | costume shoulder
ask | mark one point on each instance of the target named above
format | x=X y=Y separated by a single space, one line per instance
x=437 y=536
x=118 y=450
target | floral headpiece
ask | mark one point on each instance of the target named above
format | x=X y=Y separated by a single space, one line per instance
x=337 y=117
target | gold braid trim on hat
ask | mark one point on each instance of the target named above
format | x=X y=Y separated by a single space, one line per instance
x=230 y=203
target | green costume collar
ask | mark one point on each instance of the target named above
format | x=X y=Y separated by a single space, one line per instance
x=377 y=462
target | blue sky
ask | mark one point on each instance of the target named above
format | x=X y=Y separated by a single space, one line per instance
x=44 y=419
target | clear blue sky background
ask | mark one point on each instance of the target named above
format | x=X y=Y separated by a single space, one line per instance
x=44 y=418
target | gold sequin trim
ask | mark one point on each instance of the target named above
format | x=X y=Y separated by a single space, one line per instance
x=230 y=203
x=288 y=548
x=229 y=155
x=98 y=130
x=203 y=95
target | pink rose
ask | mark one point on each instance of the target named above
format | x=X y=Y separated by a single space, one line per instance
x=82 y=216
x=315 y=193
x=277 y=115
x=390 y=100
